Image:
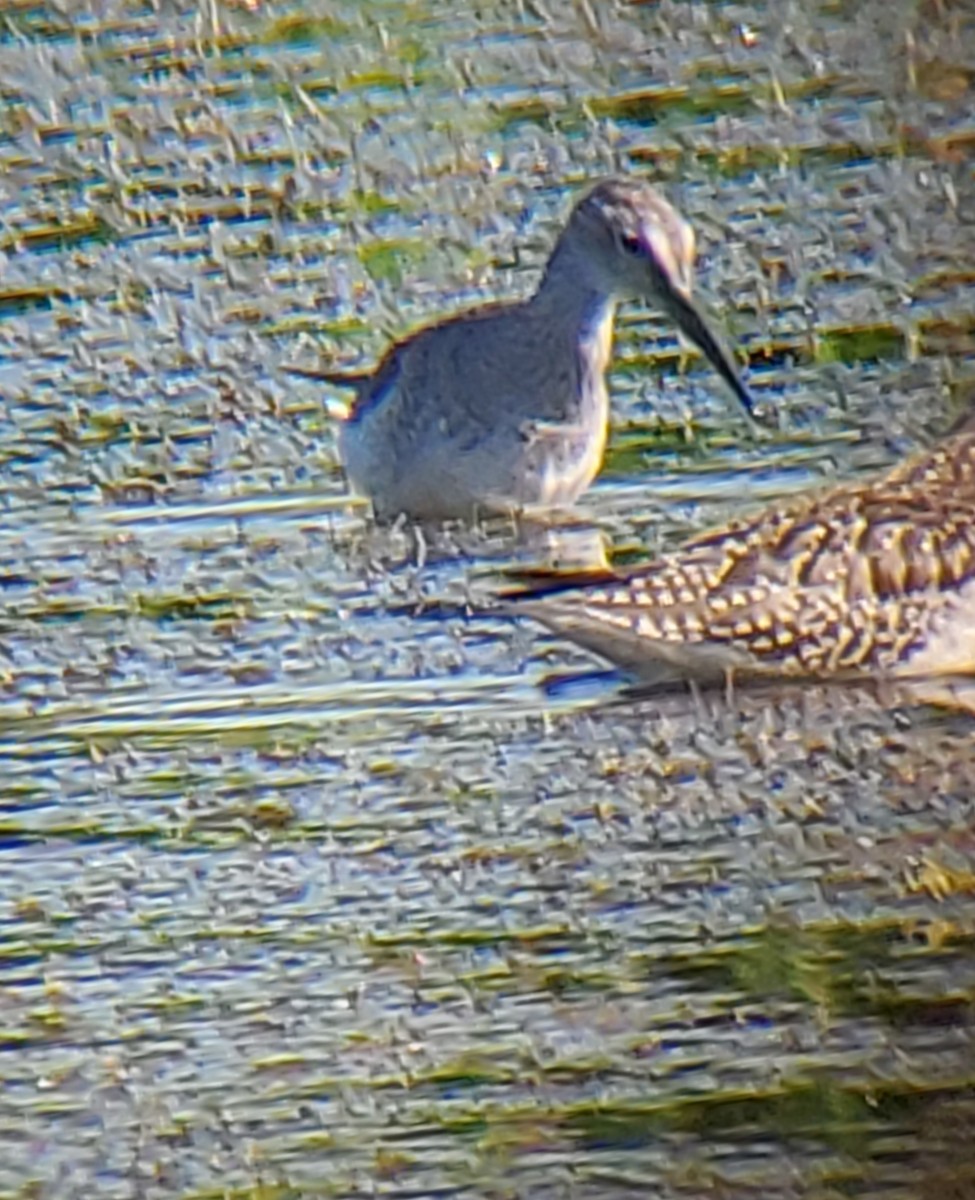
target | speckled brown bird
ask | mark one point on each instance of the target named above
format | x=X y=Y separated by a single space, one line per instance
x=506 y=406
x=869 y=580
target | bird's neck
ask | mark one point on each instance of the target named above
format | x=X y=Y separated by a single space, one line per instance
x=575 y=309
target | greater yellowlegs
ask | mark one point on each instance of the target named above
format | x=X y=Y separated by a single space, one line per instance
x=869 y=580
x=506 y=407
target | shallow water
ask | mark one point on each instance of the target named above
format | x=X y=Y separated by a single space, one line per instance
x=318 y=880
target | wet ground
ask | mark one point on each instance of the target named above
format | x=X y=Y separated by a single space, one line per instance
x=314 y=879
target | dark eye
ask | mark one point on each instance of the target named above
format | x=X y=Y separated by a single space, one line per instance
x=630 y=243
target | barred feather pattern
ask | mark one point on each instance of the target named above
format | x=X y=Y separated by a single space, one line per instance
x=873 y=578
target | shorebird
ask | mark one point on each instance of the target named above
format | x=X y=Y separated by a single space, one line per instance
x=505 y=406
x=864 y=581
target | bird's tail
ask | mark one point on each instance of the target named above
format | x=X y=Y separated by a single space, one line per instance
x=342 y=379
x=352 y=380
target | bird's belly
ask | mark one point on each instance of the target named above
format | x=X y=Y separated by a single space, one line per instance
x=453 y=468
x=562 y=461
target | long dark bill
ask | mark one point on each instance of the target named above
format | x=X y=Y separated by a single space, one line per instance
x=690 y=321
